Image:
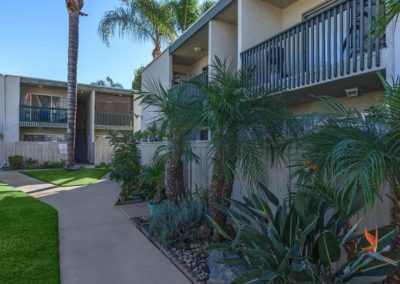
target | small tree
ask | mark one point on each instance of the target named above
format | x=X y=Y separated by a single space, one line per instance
x=125 y=166
x=243 y=126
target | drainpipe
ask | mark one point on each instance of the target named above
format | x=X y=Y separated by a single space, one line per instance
x=4 y=122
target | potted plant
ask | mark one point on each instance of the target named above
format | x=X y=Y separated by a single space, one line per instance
x=153 y=176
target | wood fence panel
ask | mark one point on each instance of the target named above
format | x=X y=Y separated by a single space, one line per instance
x=40 y=151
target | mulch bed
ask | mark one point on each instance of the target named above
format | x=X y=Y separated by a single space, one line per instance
x=191 y=260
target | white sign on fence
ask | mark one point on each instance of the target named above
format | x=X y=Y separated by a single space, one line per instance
x=62 y=148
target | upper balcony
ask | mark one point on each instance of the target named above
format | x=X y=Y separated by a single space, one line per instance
x=326 y=46
x=42 y=117
x=113 y=121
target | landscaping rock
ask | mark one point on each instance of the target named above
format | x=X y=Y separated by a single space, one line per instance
x=222 y=273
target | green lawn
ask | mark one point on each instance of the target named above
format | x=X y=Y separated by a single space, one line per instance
x=28 y=239
x=62 y=177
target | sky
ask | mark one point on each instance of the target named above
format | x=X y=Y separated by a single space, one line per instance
x=34 y=43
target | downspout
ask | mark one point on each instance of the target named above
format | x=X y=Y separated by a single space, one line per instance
x=4 y=122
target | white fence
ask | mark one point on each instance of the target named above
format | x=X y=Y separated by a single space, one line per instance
x=199 y=175
x=40 y=151
x=50 y=151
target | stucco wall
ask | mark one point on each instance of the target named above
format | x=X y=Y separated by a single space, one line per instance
x=2 y=117
x=258 y=21
x=223 y=42
x=12 y=97
x=293 y=14
x=361 y=103
x=197 y=68
x=159 y=70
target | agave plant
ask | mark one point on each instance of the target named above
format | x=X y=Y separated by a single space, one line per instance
x=303 y=241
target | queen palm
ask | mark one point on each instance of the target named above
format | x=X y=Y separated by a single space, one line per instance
x=74 y=11
x=391 y=11
x=140 y=20
x=357 y=153
x=243 y=124
x=175 y=114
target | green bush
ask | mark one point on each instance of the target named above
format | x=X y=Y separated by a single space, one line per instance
x=125 y=167
x=152 y=180
x=31 y=163
x=53 y=165
x=179 y=224
x=16 y=162
x=303 y=240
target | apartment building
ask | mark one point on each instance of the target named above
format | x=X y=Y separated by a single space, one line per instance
x=303 y=48
x=33 y=119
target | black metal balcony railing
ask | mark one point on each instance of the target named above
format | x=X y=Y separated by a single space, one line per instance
x=37 y=116
x=191 y=89
x=113 y=119
x=332 y=44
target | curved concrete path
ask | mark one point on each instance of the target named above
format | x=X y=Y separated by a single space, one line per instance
x=97 y=243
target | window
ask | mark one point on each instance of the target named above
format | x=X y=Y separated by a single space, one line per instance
x=44 y=101
x=204 y=134
x=44 y=137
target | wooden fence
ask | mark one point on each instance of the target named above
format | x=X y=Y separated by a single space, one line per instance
x=103 y=152
x=199 y=175
x=40 y=151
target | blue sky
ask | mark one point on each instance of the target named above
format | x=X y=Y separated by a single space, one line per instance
x=34 y=43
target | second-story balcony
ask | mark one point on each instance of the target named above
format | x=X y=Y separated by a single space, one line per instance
x=42 y=117
x=113 y=121
x=332 y=44
x=189 y=88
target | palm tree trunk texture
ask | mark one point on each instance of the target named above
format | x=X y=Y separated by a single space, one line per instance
x=157 y=48
x=73 y=42
x=175 y=186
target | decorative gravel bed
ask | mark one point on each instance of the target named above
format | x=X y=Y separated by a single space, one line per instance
x=190 y=260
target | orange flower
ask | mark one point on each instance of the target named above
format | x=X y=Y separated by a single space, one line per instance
x=373 y=241
x=313 y=167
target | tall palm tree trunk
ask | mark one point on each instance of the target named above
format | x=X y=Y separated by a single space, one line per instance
x=175 y=186
x=73 y=42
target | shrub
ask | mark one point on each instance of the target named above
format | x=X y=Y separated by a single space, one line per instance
x=152 y=178
x=304 y=240
x=53 y=165
x=125 y=167
x=16 y=162
x=31 y=163
x=179 y=224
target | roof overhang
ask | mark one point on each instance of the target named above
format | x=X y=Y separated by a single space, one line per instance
x=200 y=23
x=81 y=87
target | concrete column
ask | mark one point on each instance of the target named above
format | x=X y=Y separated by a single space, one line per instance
x=90 y=122
x=12 y=95
x=222 y=42
x=2 y=121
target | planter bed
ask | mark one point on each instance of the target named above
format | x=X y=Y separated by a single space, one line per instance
x=191 y=261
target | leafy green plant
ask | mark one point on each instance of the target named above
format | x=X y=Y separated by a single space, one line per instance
x=31 y=163
x=16 y=162
x=125 y=166
x=243 y=123
x=53 y=165
x=178 y=224
x=303 y=241
x=152 y=177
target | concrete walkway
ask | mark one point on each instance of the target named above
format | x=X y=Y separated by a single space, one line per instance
x=97 y=243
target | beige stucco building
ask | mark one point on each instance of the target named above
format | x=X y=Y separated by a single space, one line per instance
x=303 y=48
x=33 y=119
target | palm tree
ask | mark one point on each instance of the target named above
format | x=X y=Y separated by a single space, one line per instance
x=74 y=10
x=391 y=11
x=108 y=82
x=175 y=114
x=243 y=124
x=140 y=20
x=357 y=153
